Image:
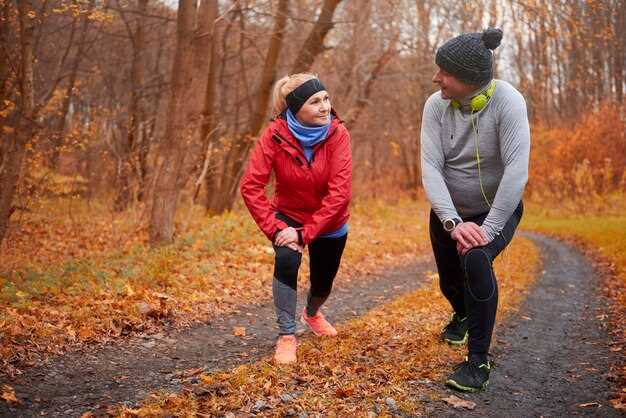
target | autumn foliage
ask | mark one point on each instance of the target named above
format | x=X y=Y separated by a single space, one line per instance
x=581 y=166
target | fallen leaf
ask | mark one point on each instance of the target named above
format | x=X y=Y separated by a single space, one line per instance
x=144 y=308
x=344 y=393
x=458 y=403
x=618 y=404
x=85 y=333
x=301 y=379
x=8 y=394
x=129 y=290
x=239 y=331
x=192 y=372
x=587 y=404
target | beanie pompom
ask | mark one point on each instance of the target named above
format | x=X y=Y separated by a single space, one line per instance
x=492 y=37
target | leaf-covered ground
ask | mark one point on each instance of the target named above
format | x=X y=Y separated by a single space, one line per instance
x=385 y=361
x=68 y=281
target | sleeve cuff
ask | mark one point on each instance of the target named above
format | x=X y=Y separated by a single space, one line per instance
x=489 y=232
x=280 y=225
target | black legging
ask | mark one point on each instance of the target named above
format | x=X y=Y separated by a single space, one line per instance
x=469 y=282
x=324 y=259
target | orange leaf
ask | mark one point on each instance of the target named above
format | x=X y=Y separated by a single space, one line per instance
x=344 y=393
x=239 y=331
x=457 y=402
x=8 y=394
x=587 y=404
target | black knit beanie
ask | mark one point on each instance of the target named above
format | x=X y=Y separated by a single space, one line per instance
x=468 y=56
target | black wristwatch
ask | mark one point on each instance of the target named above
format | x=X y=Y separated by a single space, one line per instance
x=450 y=224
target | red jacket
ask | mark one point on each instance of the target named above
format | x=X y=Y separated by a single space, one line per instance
x=315 y=194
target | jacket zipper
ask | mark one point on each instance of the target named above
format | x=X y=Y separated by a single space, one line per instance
x=299 y=150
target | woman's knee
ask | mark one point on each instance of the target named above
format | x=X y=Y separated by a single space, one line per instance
x=287 y=262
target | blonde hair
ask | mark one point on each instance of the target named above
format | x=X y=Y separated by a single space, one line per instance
x=286 y=85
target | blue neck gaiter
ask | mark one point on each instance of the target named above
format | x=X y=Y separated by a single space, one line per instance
x=308 y=136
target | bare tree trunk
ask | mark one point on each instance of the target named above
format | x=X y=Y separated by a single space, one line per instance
x=493 y=13
x=203 y=47
x=14 y=155
x=172 y=148
x=208 y=125
x=59 y=132
x=314 y=44
x=268 y=75
x=149 y=127
x=222 y=196
x=136 y=114
x=619 y=57
x=4 y=56
x=5 y=79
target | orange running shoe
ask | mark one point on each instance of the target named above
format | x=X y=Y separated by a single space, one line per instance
x=318 y=324
x=285 y=349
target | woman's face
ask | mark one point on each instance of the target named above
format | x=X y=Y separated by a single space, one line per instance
x=316 y=110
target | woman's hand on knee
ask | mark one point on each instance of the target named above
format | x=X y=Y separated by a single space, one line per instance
x=294 y=247
x=286 y=236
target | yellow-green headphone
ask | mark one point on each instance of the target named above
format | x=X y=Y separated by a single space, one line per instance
x=479 y=101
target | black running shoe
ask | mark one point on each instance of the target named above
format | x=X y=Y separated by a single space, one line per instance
x=470 y=376
x=455 y=332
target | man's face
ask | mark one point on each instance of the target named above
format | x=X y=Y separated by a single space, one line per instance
x=451 y=87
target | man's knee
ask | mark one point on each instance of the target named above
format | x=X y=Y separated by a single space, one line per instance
x=476 y=259
x=479 y=273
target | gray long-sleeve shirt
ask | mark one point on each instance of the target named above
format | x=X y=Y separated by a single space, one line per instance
x=449 y=163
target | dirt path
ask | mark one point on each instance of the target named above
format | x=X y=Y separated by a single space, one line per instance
x=127 y=373
x=556 y=358
x=550 y=358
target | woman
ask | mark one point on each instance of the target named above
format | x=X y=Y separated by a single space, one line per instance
x=308 y=148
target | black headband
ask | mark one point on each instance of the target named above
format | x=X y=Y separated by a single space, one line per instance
x=299 y=96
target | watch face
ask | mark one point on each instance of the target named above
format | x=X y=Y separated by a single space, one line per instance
x=448 y=225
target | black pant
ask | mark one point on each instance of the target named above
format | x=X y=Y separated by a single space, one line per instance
x=468 y=282
x=324 y=259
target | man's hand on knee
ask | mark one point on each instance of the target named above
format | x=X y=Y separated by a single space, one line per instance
x=468 y=235
x=461 y=249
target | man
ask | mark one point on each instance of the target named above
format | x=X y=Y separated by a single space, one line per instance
x=475 y=145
